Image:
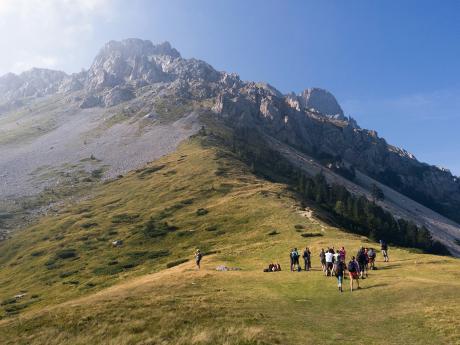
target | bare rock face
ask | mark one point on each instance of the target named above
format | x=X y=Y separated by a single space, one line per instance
x=90 y=101
x=128 y=61
x=36 y=82
x=322 y=101
x=117 y=95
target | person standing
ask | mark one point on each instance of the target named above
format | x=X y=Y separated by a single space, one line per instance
x=322 y=257
x=296 y=256
x=339 y=273
x=292 y=259
x=372 y=254
x=384 y=248
x=342 y=253
x=361 y=258
x=198 y=257
x=353 y=269
x=329 y=262
x=306 y=259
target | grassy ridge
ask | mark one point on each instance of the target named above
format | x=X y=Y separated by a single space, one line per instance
x=80 y=289
x=171 y=191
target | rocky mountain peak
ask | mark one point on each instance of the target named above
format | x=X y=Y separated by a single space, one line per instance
x=322 y=101
x=132 y=47
x=132 y=60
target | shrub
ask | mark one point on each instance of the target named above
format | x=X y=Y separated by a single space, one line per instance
x=8 y=301
x=211 y=228
x=158 y=254
x=125 y=218
x=153 y=228
x=66 y=254
x=15 y=308
x=108 y=270
x=67 y=274
x=97 y=173
x=88 y=225
x=273 y=233
x=137 y=254
x=299 y=226
x=311 y=234
x=201 y=212
x=38 y=253
x=184 y=233
x=145 y=172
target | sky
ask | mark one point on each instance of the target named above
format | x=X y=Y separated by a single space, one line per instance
x=393 y=65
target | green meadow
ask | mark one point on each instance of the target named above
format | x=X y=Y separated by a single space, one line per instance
x=78 y=288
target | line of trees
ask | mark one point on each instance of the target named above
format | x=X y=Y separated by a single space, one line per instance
x=362 y=216
x=355 y=214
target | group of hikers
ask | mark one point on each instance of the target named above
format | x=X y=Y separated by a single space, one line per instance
x=333 y=262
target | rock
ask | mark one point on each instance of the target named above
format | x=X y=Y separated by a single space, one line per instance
x=117 y=243
x=118 y=95
x=90 y=101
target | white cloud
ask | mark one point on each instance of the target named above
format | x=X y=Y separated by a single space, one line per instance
x=48 y=33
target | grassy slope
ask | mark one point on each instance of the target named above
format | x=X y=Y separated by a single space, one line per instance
x=97 y=297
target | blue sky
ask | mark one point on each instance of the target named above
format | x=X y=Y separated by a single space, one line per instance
x=393 y=65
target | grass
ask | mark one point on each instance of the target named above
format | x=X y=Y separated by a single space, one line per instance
x=147 y=291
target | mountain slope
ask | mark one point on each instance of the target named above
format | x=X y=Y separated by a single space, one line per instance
x=62 y=134
x=126 y=294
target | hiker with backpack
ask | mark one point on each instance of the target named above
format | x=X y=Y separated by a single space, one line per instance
x=353 y=269
x=306 y=258
x=295 y=260
x=322 y=258
x=384 y=248
x=366 y=254
x=335 y=261
x=198 y=257
x=362 y=261
x=339 y=271
x=372 y=255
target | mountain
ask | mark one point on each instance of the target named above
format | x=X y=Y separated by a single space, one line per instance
x=138 y=100
x=111 y=178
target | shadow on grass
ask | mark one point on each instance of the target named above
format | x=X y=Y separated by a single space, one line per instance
x=372 y=286
x=388 y=267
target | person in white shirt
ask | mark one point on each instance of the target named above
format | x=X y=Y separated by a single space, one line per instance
x=329 y=262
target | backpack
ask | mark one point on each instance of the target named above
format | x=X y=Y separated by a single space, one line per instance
x=294 y=255
x=338 y=268
x=351 y=267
